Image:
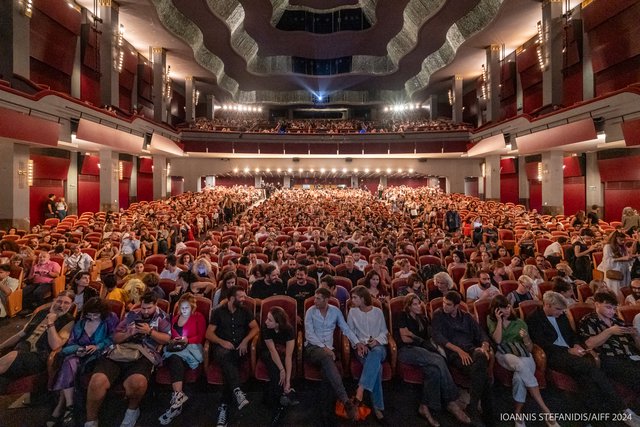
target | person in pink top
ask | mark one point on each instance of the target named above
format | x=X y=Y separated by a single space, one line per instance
x=39 y=282
x=184 y=350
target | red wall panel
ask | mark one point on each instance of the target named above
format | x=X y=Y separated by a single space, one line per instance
x=88 y=193
x=54 y=168
x=90 y=165
x=146 y=165
x=535 y=195
x=509 y=189
x=90 y=86
x=507 y=166
x=371 y=184
x=38 y=193
x=177 y=185
x=145 y=186
x=617 y=196
x=572 y=166
x=409 y=182
x=574 y=195
x=619 y=169
x=123 y=193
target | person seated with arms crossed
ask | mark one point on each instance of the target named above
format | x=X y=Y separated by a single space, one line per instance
x=550 y=329
x=142 y=329
x=29 y=349
x=231 y=329
x=467 y=348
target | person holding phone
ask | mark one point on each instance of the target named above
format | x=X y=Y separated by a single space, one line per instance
x=617 y=345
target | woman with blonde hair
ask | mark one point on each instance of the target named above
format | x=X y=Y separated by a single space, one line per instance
x=533 y=273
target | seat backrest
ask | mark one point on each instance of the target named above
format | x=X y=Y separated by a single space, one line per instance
x=527 y=307
x=344 y=282
x=628 y=312
x=481 y=309
x=576 y=311
x=430 y=259
x=508 y=286
x=116 y=307
x=584 y=292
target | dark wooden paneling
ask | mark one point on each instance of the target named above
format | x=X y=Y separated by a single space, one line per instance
x=323 y=148
x=266 y=148
x=296 y=148
x=350 y=148
x=246 y=147
x=376 y=148
x=400 y=147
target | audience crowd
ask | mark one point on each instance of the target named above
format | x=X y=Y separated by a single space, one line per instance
x=412 y=282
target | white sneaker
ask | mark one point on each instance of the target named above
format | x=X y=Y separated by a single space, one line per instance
x=241 y=398
x=222 y=416
x=91 y=424
x=178 y=399
x=631 y=418
x=169 y=415
x=130 y=418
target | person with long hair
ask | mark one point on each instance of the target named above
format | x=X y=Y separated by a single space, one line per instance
x=277 y=345
x=373 y=283
x=184 y=350
x=89 y=337
x=368 y=324
x=514 y=346
x=616 y=257
x=229 y=279
x=411 y=329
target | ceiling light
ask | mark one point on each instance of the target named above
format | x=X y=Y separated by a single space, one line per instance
x=377 y=170
x=235 y=170
x=355 y=170
x=333 y=170
x=312 y=170
x=399 y=170
x=388 y=170
x=246 y=170
x=289 y=170
x=344 y=170
x=322 y=170
x=300 y=170
x=410 y=170
x=268 y=170
x=278 y=170
x=366 y=170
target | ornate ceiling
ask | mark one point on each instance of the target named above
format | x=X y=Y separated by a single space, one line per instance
x=233 y=49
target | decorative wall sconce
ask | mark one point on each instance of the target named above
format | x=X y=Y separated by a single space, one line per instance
x=26 y=7
x=28 y=173
x=452 y=97
x=540 y=48
x=120 y=170
x=484 y=88
x=166 y=88
x=118 y=59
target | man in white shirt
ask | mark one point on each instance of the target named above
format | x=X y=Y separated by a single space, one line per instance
x=77 y=261
x=360 y=262
x=171 y=270
x=482 y=290
x=319 y=324
x=553 y=252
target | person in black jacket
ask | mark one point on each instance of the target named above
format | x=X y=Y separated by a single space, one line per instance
x=550 y=329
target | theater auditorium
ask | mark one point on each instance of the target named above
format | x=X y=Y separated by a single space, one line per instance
x=319 y=213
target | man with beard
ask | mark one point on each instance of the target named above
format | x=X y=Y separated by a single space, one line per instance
x=483 y=289
x=47 y=330
x=231 y=328
x=301 y=288
x=269 y=285
x=145 y=327
x=350 y=271
x=320 y=269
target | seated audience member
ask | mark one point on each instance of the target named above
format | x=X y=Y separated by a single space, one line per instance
x=143 y=329
x=320 y=269
x=90 y=336
x=171 y=270
x=514 y=354
x=128 y=247
x=618 y=346
x=277 y=342
x=636 y=322
x=553 y=252
x=122 y=271
x=565 y=289
x=337 y=291
x=405 y=269
x=81 y=289
x=8 y=285
x=77 y=261
x=632 y=298
x=467 y=348
x=358 y=259
x=416 y=287
x=151 y=281
x=113 y=291
x=378 y=266
x=269 y=285
x=204 y=271
x=498 y=273
x=415 y=348
x=532 y=272
x=522 y=292
x=184 y=350
x=368 y=324
x=137 y=272
x=106 y=256
x=319 y=324
x=39 y=283
x=351 y=272
x=483 y=289
x=227 y=280
x=542 y=264
x=549 y=328
x=514 y=265
x=290 y=271
x=46 y=331
x=373 y=282
x=134 y=289
x=301 y=289
x=443 y=283
x=231 y=329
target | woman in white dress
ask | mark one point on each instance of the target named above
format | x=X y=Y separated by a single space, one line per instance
x=616 y=256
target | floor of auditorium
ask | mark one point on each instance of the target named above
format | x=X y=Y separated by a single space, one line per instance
x=401 y=405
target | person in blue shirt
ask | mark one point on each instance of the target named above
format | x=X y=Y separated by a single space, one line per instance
x=319 y=323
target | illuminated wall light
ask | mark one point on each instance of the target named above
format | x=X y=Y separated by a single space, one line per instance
x=118 y=59
x=235 y=170
x=246 y=170
x=257 y=170
x=333 y=170
x=278 y=170
x=300 y=170
x=410 y=170
x=388 y=170
x=366 y=170
x=377 y=170
x=26 y=8
x=399 y=170
x=312 y=170
x=99 y=166
x=540 y=47
x=166 y=87
x=120 y=171
x=540 y=171
x=344 y=170
x=452 y=97
x=483 y=168
x=485 y=83
x=290 y=170
x=355 y=170
x=268 y=170
x=30 y=169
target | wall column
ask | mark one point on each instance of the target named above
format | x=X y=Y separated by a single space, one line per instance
x=14 y=165
x=552 y=183
x=595 y=189
x=552 y=45
x=456 y=108
x=15 y=39
x=493 y=83
x=492 y=177
x=257 y=181
x=109 y=76
x=523 y=182
x=71 y=192
x=211 y=111
x=189 y=98
x=109 y=181
x=159 y=59
x=159 y=177
x=383 y=181
x=286 y=181
x=432 y=102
